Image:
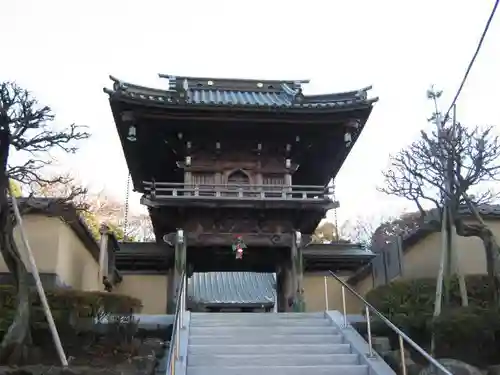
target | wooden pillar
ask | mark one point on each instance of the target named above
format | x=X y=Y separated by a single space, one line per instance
x=103 y=255
x=285 y=287
x=298 y=263
x=288 y=179
x=288 y=183
x=294 y=270
x=180 y=259
x=280 y=295
x=188 y=181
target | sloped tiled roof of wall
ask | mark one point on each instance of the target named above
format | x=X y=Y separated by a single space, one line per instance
x=417 y=231
x=226 y=288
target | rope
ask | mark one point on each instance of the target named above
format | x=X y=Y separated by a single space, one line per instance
x=127 y=196
x=335 y=217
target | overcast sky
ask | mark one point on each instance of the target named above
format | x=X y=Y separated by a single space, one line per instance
x=64 y=51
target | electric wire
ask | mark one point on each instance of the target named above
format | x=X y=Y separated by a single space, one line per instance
x=471 y=63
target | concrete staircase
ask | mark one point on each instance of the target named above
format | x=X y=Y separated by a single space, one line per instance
x=269 y=343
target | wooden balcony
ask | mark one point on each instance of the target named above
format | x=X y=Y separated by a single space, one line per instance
x=171 y=191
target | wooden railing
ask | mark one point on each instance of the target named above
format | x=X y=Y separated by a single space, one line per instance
x=174 y=190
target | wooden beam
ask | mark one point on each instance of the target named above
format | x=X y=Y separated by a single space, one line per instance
x=251 y=239
x=342 y=117
x=215 y=202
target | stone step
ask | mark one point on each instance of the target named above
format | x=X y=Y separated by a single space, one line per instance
x=227 y=316
x=265 y=339
x=263 y=323
x=266 y=348
x=256 y=319
x=279 y=370
x=242 y=360
x=238 y=331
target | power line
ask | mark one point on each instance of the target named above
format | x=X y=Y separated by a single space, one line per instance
x=478 y=48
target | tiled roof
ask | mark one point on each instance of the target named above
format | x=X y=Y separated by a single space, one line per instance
x=416 y=232
x=487 y=210
x=68 y=212
x=238 y=93
x=227 y=288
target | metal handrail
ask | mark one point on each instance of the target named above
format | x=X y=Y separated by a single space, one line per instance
x=180 y=308
x=401 y=335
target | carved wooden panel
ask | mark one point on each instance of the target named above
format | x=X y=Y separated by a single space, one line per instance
x=239 y=222
x=238 y=178
x=203 y=178
x=246 y=159
x=273 y=179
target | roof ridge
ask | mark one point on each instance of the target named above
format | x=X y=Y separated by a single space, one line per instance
x=181 y=77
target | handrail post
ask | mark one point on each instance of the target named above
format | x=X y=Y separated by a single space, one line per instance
x=183 y=303
x=402 y=336
x=174 y=354
x=344 y=309
x=402 y=353
x=369 y=331
x=177 y=340
x=326 y=293
x=181 y=312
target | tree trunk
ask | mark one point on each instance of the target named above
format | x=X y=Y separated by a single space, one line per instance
x=16 y=342
x=492 y=252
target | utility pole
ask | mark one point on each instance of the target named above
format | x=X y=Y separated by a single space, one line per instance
x=448 y=232
x=444 y=219
x=452 y=250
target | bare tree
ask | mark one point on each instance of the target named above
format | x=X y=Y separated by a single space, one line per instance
x=375 y=233
x=101 y=207
x=445 y=165
x=140 y=228
x=325 y=233
x=362 y=229
x=27 y=128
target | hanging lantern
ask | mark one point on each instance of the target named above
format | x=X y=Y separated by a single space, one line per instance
x=347 y=138
x=132 y=133
x=298 y=238
x=180 y=236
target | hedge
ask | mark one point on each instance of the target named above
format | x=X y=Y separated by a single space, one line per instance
x=67 y=306
x=471 y=334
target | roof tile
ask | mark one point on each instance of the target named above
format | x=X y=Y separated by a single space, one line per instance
x=232 y=288
x=240 y=93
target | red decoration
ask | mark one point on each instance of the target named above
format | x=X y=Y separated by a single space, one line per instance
x=238 y=246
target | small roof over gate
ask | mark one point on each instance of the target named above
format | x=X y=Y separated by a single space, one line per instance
x=237 y=289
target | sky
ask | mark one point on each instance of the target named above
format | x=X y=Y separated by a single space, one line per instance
x=64 y=52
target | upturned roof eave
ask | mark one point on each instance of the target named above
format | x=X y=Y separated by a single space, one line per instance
x=305 y=109
x=238 y=95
